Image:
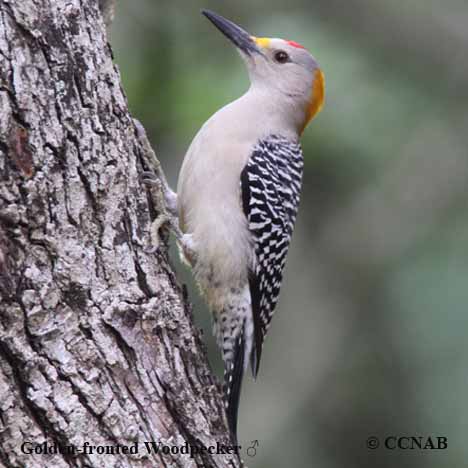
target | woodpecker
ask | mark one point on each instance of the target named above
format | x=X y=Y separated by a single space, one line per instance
x=238 y=195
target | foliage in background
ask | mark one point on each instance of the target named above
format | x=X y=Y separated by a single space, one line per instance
x=370 y=334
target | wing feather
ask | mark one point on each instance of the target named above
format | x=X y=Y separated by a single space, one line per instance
x=270 y=188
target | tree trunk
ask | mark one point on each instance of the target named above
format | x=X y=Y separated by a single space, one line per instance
x=97 y=344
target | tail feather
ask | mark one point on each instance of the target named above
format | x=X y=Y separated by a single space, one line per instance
x=257 y=325
x=233 y=374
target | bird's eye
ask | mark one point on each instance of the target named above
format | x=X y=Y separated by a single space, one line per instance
x=281 y=56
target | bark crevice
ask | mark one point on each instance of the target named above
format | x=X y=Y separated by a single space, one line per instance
x=97 y=341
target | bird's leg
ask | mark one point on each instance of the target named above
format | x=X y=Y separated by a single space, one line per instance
x=164 y=199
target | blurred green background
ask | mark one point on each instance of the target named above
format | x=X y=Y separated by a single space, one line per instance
x=370 y=335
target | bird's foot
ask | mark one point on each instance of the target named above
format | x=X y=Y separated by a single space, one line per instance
x=163 y=200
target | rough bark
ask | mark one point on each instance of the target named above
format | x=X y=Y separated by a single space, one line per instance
x=97 y=342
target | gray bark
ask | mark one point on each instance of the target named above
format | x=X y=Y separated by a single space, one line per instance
x=97 y=342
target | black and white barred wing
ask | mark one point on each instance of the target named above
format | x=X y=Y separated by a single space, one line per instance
x=270 y=186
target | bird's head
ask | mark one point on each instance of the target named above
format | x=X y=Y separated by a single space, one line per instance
x=281 y=67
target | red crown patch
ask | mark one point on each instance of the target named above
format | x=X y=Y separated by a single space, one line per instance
x=295 y=44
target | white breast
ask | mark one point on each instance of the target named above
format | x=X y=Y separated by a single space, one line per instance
x=209 y=198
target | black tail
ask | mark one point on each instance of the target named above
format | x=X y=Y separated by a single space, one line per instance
x=233 y=374
x=258 y=330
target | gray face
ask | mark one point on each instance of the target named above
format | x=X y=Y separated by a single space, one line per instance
x=282 y=70
x=281 y=66
x=283 y=55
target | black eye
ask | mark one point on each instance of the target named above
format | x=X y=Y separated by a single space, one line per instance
x=281 y=56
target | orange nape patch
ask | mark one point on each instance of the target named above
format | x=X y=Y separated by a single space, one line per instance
x=317 y=97
x=295 y=44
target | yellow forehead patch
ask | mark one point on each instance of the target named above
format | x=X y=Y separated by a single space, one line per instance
x=262 y=41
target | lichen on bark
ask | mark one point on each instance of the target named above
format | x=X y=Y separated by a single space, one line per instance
x=97 y=342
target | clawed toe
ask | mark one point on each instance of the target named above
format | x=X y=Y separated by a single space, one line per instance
x=152 y=250
x=163 y=198
x=149 y=178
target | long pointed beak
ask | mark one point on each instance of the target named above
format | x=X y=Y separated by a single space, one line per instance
x=234 y=33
